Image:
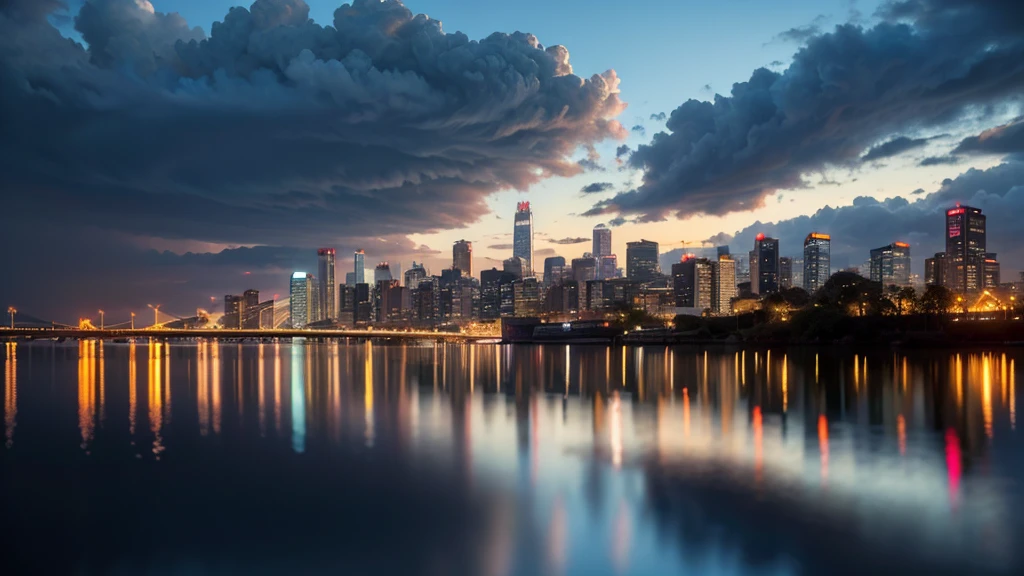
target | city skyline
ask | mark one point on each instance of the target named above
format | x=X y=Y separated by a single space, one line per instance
x=180 y=236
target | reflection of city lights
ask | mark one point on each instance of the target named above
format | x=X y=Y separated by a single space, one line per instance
x=901 y=434
x=758 y=425
x=959 y=381
x=823 y=445
x=277 y=389
x=953 y=465
x=86 y=390
x=203 y=387
x=10 y=392
x=566 y=370
x=986 y=393
x=368 y=392
x=622 y=539
x=785 y=383
x=298 y=397
x=132 y=393
x=155 y=396
x=686 y=413
x=261 y=399
x=856 y=372
x=1013 y=396
x=615 y=424
x=215 y=386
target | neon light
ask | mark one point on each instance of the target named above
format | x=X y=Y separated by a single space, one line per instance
x=955 y=211
x=760 y=237
x=299 y=275
x=819 y=236
x=901 y=244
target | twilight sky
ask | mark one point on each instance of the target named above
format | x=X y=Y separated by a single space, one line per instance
x=171 y=151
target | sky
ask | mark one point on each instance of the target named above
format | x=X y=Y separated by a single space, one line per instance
x=177 y=150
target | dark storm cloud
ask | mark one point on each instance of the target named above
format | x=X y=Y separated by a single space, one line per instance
x=596 y=187
x=576 y=240
x=382 y=124
x=638 y=129
x=801 y=34
x=659 y=117
x=924 y=66
x=621 y=151
x=868 y=223
x=893 y=147
x=1006 y=139
x=939 y=160
x=590 y=165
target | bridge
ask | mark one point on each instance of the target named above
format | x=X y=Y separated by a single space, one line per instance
x=221 y=333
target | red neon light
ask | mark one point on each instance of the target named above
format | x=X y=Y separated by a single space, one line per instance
x=523 y=206
x=955 y=211
x=760 y=237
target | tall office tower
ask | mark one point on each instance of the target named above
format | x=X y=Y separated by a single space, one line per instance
x=890 y=265
x=232 y=311
x=363 y=305
x=389 y=305
x=522 y=237
x=346 y=303
x=350 y=279
x=965 y=248
x=414 y=275
x=515 y=266
x=250 y=313
x=316 y=314
x=462 y=257
x=550 y=264
x=798 y=272
x=602 y=241
x=817 y=260
x=723 y=284
x=360 y=267
x=692 y=284
x=642 y=261
x=764 y=266
x=382 y=273
x=991 y=271
x=328 y=300
x=584 y=269
x=491 y=282
x=607 y=266
x=785 y=273
x=300 y=291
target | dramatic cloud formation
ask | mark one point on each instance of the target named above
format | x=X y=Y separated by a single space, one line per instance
x=924 y=66
x=277 y=130
x=1004 y=139
x=596 y=187
x=893 y=147
x=659 y=117
x=870 y=223
x=801 y=34
x=576 y=240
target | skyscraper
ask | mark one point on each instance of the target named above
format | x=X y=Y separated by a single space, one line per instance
x=642 y=261
x=250 y=312
x=607 y=266
x=764 y=266
x=414 y=275
x=817 y=260
x=584 y=269
x=299 y=292
x=723 y=284
x=965 y=249
x=233 y=306
x=785 y=273
x=550 y=264
x=522 y=237
x=602 y=241
x=991 y=271
x=462 y=257
x=382 y=273
x=692 y=284
x=360 y=267
x=890 y=265
x=515 y=266
x=328 y=300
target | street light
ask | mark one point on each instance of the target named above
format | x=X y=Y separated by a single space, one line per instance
x=133 y=320
x=156 y=314
x=12 y=311
x=101 y=318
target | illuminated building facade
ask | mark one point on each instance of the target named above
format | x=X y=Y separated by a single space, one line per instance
x=890 y=265
x=462 y=257
x=764 y=266
x=359 y=267
x=965 y=249
x=522 y=237
x=328 y=301
x=723 y=284
x=817 y=261
x=642 y=261
x=300 y=290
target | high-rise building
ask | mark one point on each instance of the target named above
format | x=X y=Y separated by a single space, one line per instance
x=692 y=285
x=233 y=305
x=785 y=272
x=890 y=265
x=250 y=312
x=363 y=305
x=550 y=264
x=817 y=261
x=798 y=272
x=462 y=257
x=991 y=271
x=350 y=279
x=522 y=237
x=642 y=261
x=389 y=305
x=491 y=282
x=526 y=297
x=316 y=314
x=764 y=266
x=328 y=300
x=607 y=266
x=723 y=284
x=360 y=267
x=584 y=269
x=300 y=290
x=965 y=248
x=382 y=273
x=602 y=241
x=515 y=266
x=414 y=275
x=346 y=303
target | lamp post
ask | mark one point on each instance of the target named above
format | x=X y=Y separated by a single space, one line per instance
x=12 y=311
x=156 y=314
x=101 y=319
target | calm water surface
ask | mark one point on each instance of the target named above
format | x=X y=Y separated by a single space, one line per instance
x=297 y=458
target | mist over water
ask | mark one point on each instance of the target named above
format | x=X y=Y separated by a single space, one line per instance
x=360 y=458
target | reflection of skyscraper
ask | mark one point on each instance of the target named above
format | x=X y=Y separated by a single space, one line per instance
x=965 y=248
x=817 y=260
x=764 y=266
x=328 y=302
x=360 y=267
x=462 y=257
x=522 y=237
x=299 y=292
x=602 y=241
x=642 y=261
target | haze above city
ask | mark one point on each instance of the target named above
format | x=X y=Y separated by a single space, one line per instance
x=165 y=153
